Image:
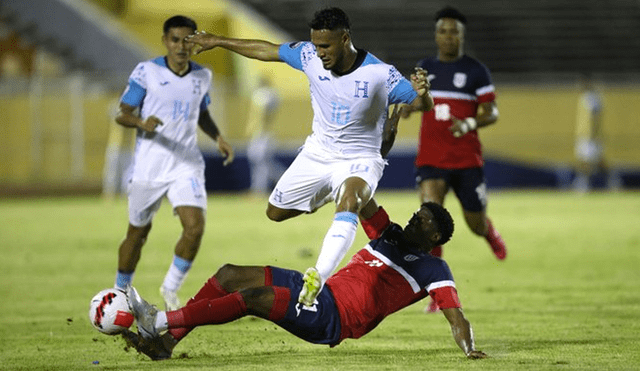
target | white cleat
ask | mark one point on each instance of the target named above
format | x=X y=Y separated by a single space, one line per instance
x=144 y=313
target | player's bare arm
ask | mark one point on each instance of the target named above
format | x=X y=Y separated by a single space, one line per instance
x=487 y=114
x=462 y=332
x=420 y=83
x=390 y=131
x=255 y=49
x=126 y=117
x=206 y=123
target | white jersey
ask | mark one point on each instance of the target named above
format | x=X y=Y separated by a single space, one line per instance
x=171 y=152
x=349 y=110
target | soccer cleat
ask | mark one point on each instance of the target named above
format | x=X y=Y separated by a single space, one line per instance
x=496 y=242
x=157 y=348
x=171 y=301
x=432 y=307
x=497 y=246
x=311 y=287
x=144 y=313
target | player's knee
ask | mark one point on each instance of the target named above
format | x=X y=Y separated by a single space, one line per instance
x=227 y=275
x=194 y=231
x=259 y=300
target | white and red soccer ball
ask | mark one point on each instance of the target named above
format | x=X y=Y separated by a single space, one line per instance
x=109 y=312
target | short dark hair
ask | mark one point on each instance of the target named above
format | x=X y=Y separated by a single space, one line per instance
x=179 y=21
x=443 y=219
x=450 y=12
x=330 y=19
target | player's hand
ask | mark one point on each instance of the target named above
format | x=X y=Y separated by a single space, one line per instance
x=419 y=81
x=461 y=127
x=150 y=124
x=476 y=354
x=203 y=41
x=226 y=150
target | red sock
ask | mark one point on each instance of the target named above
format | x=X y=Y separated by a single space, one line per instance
x=211 y=290
x=208 y=312
x=375 y=225
x=280 y=303
x=436 y=251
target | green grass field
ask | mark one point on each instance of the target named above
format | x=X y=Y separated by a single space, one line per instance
x=567 y=297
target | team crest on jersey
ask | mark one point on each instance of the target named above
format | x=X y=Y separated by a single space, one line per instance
x=459 y=79
x=410 y=257
x=196 y=86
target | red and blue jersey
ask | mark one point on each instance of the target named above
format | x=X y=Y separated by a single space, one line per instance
x=457 y=89
x=384 y=277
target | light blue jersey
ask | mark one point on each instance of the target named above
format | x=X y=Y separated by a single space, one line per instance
x=350 y=110
x=171 y=152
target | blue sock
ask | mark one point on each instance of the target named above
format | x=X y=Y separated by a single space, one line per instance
x=123 y=280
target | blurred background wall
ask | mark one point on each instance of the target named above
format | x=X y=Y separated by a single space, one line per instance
x=64 y=64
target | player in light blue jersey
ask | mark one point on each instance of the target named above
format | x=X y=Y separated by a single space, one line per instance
x=166 y=100
x=351 y=91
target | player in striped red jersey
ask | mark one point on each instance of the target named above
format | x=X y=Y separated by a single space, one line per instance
x=390 y=273
x=449 y=150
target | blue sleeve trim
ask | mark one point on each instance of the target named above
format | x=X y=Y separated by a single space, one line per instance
x=402 y=93
x=290 y=53
x=134 y=94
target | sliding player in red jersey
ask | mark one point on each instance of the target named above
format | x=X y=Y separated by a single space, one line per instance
x=390 y=273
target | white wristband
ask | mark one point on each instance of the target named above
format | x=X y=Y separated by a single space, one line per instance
x=472 y=123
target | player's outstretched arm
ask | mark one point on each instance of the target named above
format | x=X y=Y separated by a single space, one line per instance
x=207 y=125
x=462 y=332
x=255 y=49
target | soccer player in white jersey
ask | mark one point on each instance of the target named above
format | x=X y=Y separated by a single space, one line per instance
x=351 y=91
x=166 y=100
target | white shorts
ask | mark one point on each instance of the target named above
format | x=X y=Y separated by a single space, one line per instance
x=145 y=197
x=310 y=179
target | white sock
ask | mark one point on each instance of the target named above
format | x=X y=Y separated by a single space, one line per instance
x=336 y=243
x=161 y=321
x=176 y=274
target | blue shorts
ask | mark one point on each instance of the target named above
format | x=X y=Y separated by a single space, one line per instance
x=469 y=184
x=320 y=323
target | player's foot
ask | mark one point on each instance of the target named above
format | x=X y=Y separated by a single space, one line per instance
x=311 y=287
x=157 y=348
x=496 y=242
x=432 y=307
x=171 y=301
x=144 y=313
x=497 y=246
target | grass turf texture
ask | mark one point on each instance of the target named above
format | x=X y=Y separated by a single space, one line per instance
x=566 y=298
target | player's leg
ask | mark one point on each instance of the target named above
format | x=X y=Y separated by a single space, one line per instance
x=471 y=190
x=129 y=254
x=300 y=189
x=352 y=196
x=189 y=199
x=143 y=201
x=355 y=182
x=193 y=222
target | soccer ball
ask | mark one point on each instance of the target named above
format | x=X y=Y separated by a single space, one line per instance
x=109 y=312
